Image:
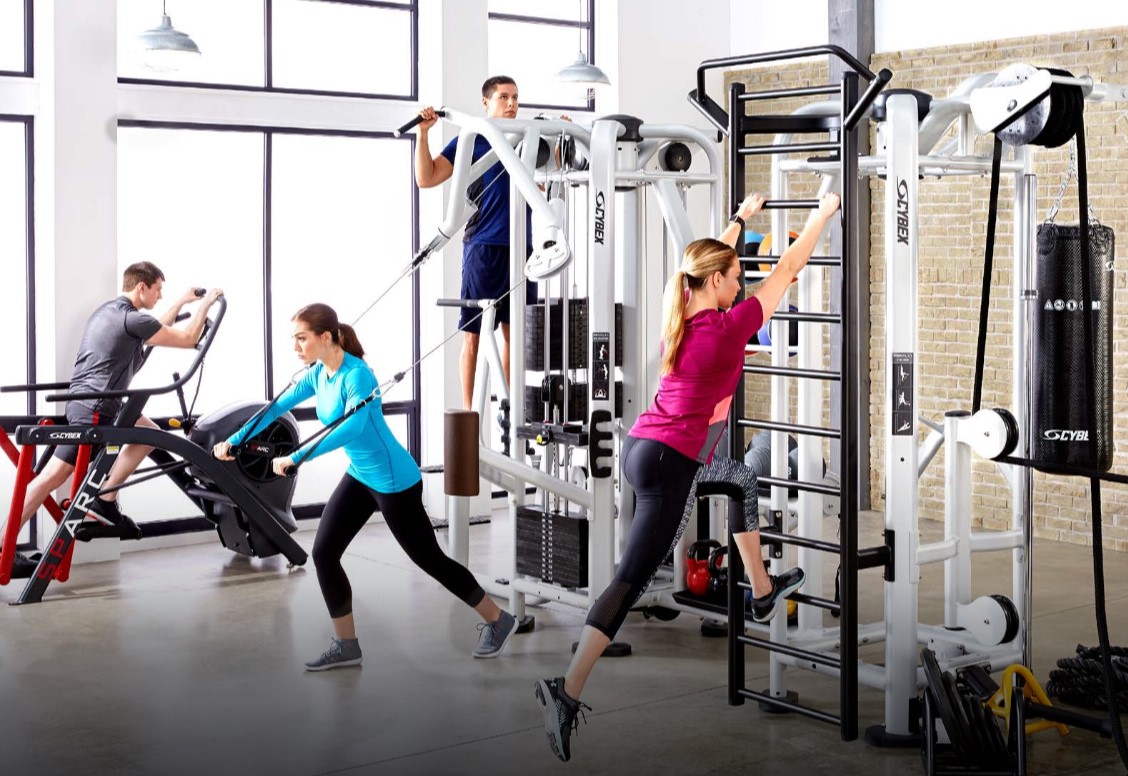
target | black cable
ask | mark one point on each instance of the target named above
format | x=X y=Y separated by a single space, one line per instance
x=1094 y=483
x=988 y=264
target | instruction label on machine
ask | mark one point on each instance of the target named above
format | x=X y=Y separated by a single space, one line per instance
x=902 y=394
x=601 y=366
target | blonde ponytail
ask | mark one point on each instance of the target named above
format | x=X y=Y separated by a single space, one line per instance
x=673 y=320
x=702 y=258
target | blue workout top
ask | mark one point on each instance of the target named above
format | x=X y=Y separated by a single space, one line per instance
x=490 y=224
x=377 y=459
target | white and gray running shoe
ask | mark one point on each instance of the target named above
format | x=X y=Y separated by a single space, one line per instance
x=341 y=654
x=493 y=636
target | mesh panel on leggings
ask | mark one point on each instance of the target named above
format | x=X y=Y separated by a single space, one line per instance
x=735 y=472
x=610 y=609
x=1060 y=406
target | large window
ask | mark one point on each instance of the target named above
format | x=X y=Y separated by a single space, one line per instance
x=341 y=232
x=362 y=48
x=15 y=37
x=531 y=40
x=298 y=217
x=17 y=278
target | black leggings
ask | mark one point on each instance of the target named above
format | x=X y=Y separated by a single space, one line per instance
x=346 y=512
x=662 y=479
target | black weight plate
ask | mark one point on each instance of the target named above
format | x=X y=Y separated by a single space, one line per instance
x=936 y=686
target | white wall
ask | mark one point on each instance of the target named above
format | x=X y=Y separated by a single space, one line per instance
x=902 y=25
x=768 y=25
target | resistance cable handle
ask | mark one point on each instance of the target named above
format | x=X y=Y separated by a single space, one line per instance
x=441 y=112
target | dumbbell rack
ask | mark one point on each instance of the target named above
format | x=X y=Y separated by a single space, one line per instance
x=842 y=149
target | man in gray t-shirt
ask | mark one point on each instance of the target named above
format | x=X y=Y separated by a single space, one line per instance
x=109 y=355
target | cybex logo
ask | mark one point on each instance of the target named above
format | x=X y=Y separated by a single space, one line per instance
x=903 y=211
x=600 y=216
x=1069 y=305
x=1065 y=435
x=61 y=435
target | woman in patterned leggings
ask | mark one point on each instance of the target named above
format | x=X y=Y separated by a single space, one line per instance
x=670 y=448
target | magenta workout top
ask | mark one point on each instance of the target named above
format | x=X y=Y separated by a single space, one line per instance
x=691 y=407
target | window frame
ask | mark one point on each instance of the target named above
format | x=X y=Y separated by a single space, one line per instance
x=409 y=6
x=28 y=70
x=552 y=21
x=411 y=408
x=10 y=422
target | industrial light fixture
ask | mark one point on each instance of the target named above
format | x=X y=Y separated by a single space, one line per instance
x=582 y=72
x=164 y=48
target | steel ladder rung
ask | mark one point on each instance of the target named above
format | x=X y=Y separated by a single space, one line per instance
x=791 y=428
x=792 y=371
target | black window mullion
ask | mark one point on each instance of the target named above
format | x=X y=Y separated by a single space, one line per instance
x=268 y=47
x=29 y=38
x=267 y=265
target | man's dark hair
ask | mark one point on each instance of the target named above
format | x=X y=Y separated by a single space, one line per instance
x=491 y=84
x=142 y=272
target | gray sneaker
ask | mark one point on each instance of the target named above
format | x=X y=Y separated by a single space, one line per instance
x=493 y=636
x=341 y=653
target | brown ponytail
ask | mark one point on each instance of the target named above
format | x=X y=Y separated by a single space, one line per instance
x=322 y=318
x=346 y=336
x=701 y=259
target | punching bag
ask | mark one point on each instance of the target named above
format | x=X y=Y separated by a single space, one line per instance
x=1060 y=411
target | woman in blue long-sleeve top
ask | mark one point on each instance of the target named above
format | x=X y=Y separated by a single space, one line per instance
x=381 y=475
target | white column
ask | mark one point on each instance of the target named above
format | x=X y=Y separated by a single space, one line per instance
x=453 y=61
x=80 y=124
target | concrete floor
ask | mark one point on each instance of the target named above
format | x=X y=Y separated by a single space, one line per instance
x=188 y=661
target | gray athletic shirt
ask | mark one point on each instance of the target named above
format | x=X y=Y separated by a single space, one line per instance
x=109 y=354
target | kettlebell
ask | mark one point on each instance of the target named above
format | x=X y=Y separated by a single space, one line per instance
x=718 y=573
x=697 y=560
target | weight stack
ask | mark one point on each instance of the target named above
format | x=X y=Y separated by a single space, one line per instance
x=577 y=335
x=1060 y=407
x=552 y=547
x=536 y=412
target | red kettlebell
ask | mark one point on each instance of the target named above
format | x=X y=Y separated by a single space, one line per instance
x=697 y=566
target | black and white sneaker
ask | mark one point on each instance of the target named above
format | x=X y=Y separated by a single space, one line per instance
x=561 y=715
x=23 y=566
x=764 y=609
x=109 y=512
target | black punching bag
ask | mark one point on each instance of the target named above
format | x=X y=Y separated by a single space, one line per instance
x=1061 y=428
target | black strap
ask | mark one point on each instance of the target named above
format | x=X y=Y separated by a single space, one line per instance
x=988 y=266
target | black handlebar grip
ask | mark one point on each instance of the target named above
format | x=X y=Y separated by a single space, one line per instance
x=200 y=292
x=290 y=471
x=413 y=122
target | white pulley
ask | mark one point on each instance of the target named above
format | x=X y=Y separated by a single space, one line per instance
x=551 y=252
x=990 y=433
x=1014 y=88
x=990 y=619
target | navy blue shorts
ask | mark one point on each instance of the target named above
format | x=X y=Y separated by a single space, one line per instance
x=485 y=275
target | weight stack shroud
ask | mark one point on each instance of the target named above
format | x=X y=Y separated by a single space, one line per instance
x=1061 y=429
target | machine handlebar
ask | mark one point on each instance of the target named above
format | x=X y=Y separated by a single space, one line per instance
x=399 y=132
x=202 y=348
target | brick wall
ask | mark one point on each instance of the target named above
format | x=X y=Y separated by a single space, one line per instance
x=953 y=215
